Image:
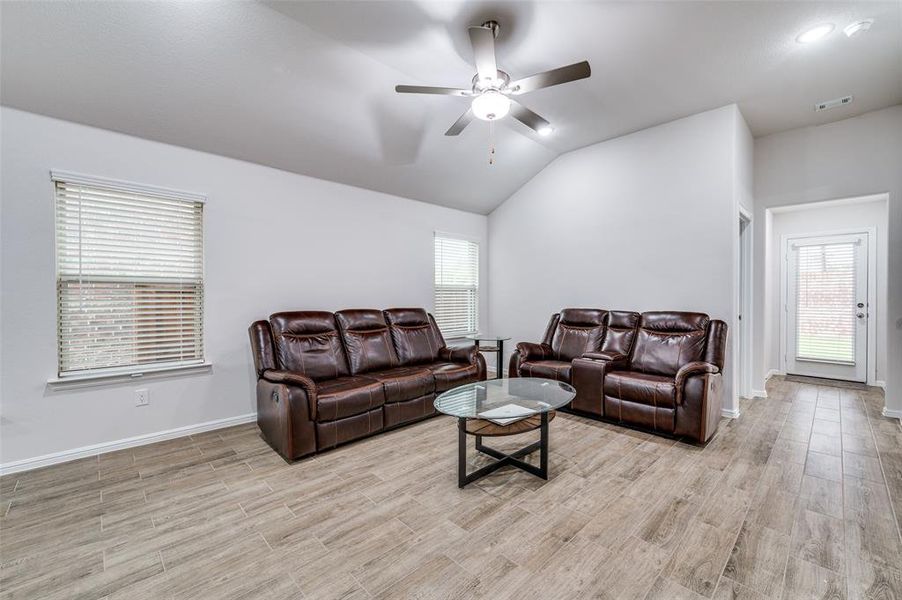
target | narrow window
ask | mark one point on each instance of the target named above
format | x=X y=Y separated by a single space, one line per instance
x=456 y=285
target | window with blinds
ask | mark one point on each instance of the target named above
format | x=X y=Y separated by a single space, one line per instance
x=130 y=277
x=826 y=302
x=456 y=285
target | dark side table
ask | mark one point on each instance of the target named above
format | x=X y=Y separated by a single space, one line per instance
x=497 y=347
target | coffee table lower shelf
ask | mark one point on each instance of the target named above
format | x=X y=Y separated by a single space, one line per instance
x=481 y=428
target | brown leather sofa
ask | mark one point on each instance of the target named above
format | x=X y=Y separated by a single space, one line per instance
x=660 y=371
x=325 y=378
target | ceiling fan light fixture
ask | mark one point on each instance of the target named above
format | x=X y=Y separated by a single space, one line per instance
x=491 y=105
x=858 y=27
x=815 y=33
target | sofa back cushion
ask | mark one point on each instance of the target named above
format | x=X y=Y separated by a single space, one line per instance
x=415 y=336
x=621 y=332
x=367 y=340
x=308 y=342
x=668 y=340
x=716 y=344
x=579 y=330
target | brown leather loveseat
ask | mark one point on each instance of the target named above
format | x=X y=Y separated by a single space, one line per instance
x=327 y=378
x=656 y=370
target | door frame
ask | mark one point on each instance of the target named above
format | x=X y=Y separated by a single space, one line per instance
x=745 y=300
x=871 y=232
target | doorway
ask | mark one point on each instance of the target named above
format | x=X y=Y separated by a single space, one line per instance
x=826 y=303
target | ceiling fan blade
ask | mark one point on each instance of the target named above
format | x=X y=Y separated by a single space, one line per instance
x=483 y=41
x=423 y=89
x=527 y=117
x=546 y=79
x=460 y=123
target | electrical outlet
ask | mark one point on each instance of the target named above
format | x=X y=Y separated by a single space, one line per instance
x=142 y=397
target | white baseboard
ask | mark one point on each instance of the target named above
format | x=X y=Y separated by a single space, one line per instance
x=892 y=414
x=139 y=440
x=730 y=413
x=759 y=393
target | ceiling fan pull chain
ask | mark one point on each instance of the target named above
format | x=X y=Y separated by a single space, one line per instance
x=491 y=142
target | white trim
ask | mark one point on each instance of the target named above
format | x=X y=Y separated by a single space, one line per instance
x=773 y=372
x=759 y=393
x=871 y=233
x=829 y=203
x=139 y=440
x=891 y=413
x=96 y=379
x=730 y=414
x=745 y=213
x=879 y=383
x=745 y=305
x=130 y=186
x=456 y=236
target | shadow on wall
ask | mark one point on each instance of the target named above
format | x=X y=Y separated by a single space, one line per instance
x=385 y=24
x=400 y=129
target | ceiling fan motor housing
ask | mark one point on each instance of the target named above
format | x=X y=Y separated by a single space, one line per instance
x=499 y=83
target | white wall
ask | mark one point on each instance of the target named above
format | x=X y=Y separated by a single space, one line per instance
x=824 y=219
x=648 y=221
x=854 y=157
x=274 y=241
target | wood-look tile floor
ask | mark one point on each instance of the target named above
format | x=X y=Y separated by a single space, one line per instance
x=798 y=498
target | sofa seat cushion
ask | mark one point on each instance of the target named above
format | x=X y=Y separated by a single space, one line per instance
x=641 y=388
x=398 y=413
x=450 y=375
x=558 y=370
x=405 y=383
x=347 y=396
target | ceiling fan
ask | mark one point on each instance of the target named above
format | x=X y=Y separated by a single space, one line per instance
x=492 y=90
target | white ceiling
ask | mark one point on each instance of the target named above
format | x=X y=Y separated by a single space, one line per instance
x=309 y=86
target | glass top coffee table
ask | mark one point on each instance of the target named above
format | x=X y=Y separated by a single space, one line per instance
x=504 y=407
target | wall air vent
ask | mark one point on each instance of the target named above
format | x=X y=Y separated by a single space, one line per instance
x=828 y=104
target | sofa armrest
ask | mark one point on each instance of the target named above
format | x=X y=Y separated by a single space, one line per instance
x=531 y=351
x=513 y=365
x=295 y=379
x=461 y=354
x=694 y=368
x=291 y=378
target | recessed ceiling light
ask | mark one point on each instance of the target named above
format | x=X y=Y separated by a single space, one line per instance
x=546 y=130
x=859 y=27
x=815 y=33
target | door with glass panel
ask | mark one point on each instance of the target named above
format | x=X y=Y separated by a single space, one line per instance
x=827 y=306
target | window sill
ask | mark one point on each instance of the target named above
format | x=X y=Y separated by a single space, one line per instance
x=79 y=381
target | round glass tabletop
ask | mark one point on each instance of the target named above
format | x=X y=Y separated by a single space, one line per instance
x=487 y=337
x=505 y=398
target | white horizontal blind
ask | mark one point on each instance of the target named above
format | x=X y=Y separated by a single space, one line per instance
x=456 y=286
x=826 y=302
x=130 y=285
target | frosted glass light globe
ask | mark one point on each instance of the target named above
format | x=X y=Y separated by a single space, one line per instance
x=491 y=105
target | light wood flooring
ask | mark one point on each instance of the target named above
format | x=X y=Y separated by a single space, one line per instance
x=798 y=498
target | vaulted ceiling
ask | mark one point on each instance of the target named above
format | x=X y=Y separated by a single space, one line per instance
x=309 y=86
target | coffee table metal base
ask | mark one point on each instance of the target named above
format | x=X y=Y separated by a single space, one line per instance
x=463 y=478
